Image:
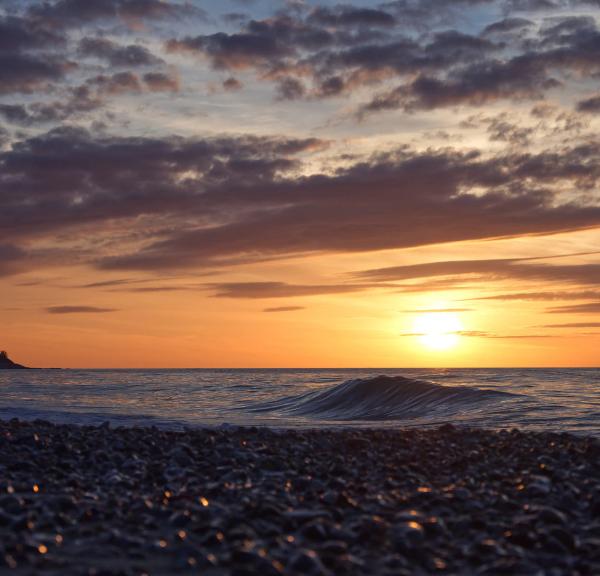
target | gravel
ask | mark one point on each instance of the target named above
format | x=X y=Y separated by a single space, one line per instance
x=243 y=501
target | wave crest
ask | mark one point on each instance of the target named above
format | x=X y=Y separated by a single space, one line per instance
x=382 y=398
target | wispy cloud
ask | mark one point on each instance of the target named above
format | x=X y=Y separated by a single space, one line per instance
x=280 y=289
x=589 y=308
x=563 y=295
x=284 y=309
x=79 y=310
x=435 y=310
x=573 y=325
x=481 y=334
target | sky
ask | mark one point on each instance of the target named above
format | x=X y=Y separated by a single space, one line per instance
x=300 y=184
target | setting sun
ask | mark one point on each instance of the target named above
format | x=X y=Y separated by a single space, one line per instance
x=438 y=330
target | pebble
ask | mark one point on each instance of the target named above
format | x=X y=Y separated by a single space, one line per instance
x=243 y=501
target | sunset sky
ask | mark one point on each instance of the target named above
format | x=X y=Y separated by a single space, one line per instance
x=260 y=184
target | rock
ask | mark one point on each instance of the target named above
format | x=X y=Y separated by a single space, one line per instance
x=407 y=536
x=305 y=563
x=7 y=364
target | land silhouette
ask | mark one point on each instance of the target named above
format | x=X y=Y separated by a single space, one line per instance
x=7 y=363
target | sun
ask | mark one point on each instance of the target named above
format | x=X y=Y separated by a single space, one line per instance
x=438 y=330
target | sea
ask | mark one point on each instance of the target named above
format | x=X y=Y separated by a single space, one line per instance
x=558 y=400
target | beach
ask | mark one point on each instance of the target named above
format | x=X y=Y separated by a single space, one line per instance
x=99 y=500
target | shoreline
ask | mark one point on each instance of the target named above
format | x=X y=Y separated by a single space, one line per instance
x=245 y=500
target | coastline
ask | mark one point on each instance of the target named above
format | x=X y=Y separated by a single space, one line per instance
x=450 y=500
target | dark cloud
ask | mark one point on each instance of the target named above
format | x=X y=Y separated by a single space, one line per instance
x=119 y=83
x=501 y=129
x=351 y=16
x=331 y=213
x=324 y=52
x=79 y=100
x=132 y=55
x=70 y=177
x=507 y=25
x=589 y=105
x=242 y=199
x=11 y=259
x=235 y=17
x=160 y=82
x=63 y=13
x=78 y=310
x=475 y=85
x=232 y=84
x=320 y=48
x=259 y=43
x=18 y=34
x=327 y=52
x=284 y=309
x=28 y=73
x=290 y=88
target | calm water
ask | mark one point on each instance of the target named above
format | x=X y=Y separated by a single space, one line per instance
x=542 y=399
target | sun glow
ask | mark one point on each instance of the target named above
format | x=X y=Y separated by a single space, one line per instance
x=438 y=330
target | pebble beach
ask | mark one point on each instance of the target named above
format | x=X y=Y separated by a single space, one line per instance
x=96 y=500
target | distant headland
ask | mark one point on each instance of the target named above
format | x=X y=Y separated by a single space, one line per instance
x=7 y=363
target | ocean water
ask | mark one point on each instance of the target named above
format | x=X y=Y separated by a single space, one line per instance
x=538 y=399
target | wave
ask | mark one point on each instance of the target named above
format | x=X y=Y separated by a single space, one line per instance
x=382 y=398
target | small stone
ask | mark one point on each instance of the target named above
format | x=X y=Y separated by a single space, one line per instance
x=306 y=563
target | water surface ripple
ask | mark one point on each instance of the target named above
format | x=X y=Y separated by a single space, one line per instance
x=538 y=399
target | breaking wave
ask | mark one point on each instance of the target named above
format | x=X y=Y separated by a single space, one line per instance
x=383 y=398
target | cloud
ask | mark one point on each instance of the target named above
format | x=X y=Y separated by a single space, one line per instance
x=28 y=58
x=25 y=73
x=329 y=51
x=18 y=34
x=474 y=85
x=546 y=295
x=517 y=268
x=588 y=308
x=63 y=13
x=284 y=309
x=77 y=101
x=324 y=213
x=320 y=49
x=475 y=334
x=78 y=310
x=132 y=55
x=482 y=334
x=161 y=82
x=232 y=84
x=70 y=177
x=589 y=105
x=436 y=310
x=574 y=325
x=11 y=259
x=279 y=289
x=243 y=199
x=351 y=16
x=507 y=25
x=142 y=289
x=118 y=83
